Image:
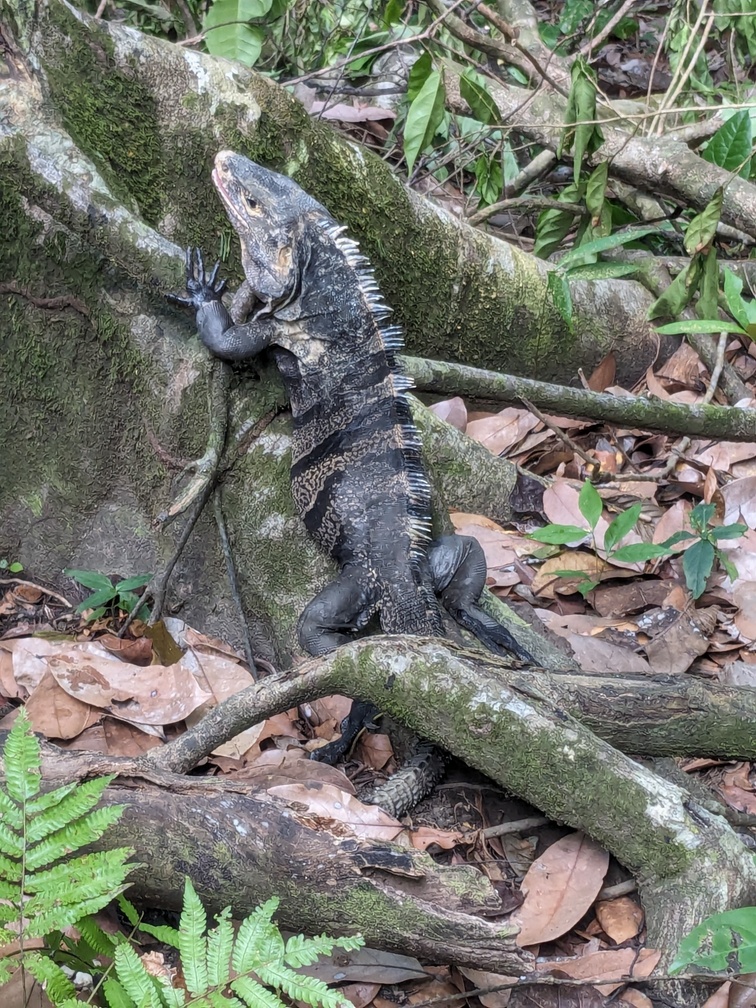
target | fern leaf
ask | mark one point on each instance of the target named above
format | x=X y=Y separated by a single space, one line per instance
x=134 y=978
x=70 y=807
x=22 y=760
x=57 y=985
x=7 y=966
x=10 y=870
x=115 y=995
x=163 y=933
x=217 y=1000
x=82 y=877
x=175 y=997
x=300 y=988
x=49 y=798
x=10 y=812
x=10 y=842
x=99 y=941
x=64 y=916
x=220 y=942
x=254 y=994
x=9 y=911
x=252 y=934
x=76 y=834
x=192 y=941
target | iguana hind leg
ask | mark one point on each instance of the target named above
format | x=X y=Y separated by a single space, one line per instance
x=337 y=613
x=458 y=570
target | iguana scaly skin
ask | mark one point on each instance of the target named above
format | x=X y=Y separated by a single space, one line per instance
x=357 y=474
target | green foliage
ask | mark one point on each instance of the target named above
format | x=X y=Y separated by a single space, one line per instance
x=581 y=135
x=228 y=32
x=698 y=560
x=725 y=942
x=107 y=595
x=44 y=888
x=11 y=567
x=730 y=147
x=425 y=115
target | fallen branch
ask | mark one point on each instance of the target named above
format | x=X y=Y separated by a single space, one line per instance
x=726 y=423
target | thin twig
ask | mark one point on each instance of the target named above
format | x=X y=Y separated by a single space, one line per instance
x=233 y=580
x=32 y=584
x=531 y=202
x=608 y=28
x=563 y=437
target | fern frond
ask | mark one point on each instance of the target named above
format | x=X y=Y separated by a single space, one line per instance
x=77 y=834
x=82 y=877
x=10 y=843
x=10 y=812
x=70 y=806
x=65 y=916
x=217 y=1000
x=58 y=986
x=253 y=934
x=135 y=979
x=48 y=798
x=220 y=942
x=192 y=941
x=7 y=967
x=9 y=890
x=301 y=951
x=10 y=870
x=253 y=994
x=115 y=995
x=300 y=988
x=163 y=932
x=99 y=941
x=22 y=760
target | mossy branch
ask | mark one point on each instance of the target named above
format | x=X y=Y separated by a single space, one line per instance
x=728 y=423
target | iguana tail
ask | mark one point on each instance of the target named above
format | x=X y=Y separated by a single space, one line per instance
x=495 y=637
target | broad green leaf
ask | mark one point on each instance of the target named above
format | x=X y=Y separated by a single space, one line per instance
x=16 y=568
x=679 y=293
x=698 y=326
x=553 y=225
x=573 y=13
x=620 y=526
x=728 y=531
x=703 y=227
x=701 y=515
x=473 y=89
x=708 y=298
x=590 y=504
x=698 y=562
x=98 y=598
x=228 y=32
x=586 y=253
x=559 y=535
x=729 y=567
x=640 y=552
x=595 y=189
x=489 y=178
x=678 y=537
x=600 y=271
x=559 y=288
x=418 y=75
x=90 y=579
x=736 y=305
x=730 y=147
x=424 y=117
x=723 y=943
x=587 y=135
x=393 y=11
x=138 y=581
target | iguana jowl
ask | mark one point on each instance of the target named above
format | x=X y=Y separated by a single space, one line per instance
x=357 y=475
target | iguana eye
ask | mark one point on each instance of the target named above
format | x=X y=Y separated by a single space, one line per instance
x=251 y=203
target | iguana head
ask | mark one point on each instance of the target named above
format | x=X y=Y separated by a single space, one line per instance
x=269 y=213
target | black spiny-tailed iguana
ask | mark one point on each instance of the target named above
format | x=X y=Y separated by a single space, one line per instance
x=357 y=475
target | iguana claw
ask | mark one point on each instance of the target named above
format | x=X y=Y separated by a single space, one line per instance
x=201 y=288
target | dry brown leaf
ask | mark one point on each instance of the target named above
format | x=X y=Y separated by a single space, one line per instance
x=56 y=714
x=683 y=367
x=276 y=767
x=504 y=430
x=156 y=694
x=137 y=652
x=739 y=498
x=606 y=963
x=744 y=597
x=329 y=803
x=738 y=673
x=720 y=998
x=501 y=547
x=559 y=888
x=375 y=749
x=603 y=374
x=723 y=455
x=743 y=992
x=655 y=387
x=484 y=979
x=594 y=654
x=634 y=596
x=680 y=637
x=367 y=965
x=359 y=994
x=635 y=998
x=453 y=411
x=425 y=836
x=621 y=918
x=548 y=581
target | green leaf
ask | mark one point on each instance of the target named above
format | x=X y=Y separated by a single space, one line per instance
x=620 y=526
x=553 y=225
x=702 y=229
x=473 y=89
x=698 y=326
x=723 y=943
x=558 y=286
x=640 y=552
x=672 y=301
x=90 y=579
x=698 y=561
x=138 y=581
x=418 y=75
x=701 y=515
x=559 y=535
x=736 y=306
x=588 y=250
x=192 y=941
x=393 y=11
x=678 y=537
x=729 y=567
x=730 y=147
x=595 y=189
x=489 y=178
x=228 y=32
x=96 y=599
x=16 y=567
x=728 y=531
x=600 y=271
x=424 y=118
x=590 y=504
x=706 y=306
